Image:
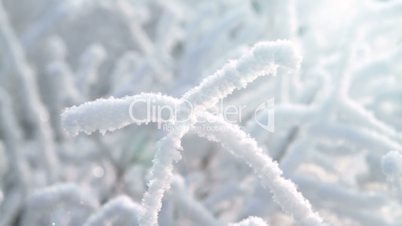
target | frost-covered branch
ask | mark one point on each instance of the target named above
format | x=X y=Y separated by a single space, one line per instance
x=33 y=107
x=262 y=59
x=191 y=206
x=58 y=198
x=110 y=114
x=246 y=149
x=120 y=210
x=251 y=221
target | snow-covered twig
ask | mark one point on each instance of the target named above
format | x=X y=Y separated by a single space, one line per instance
x=251 y=221
x=58 y=198
x=246 y=149
x=120 y=210
x=262 y=59
x=35 y=112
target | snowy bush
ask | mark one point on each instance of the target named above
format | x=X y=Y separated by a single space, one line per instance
x=183 y=112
